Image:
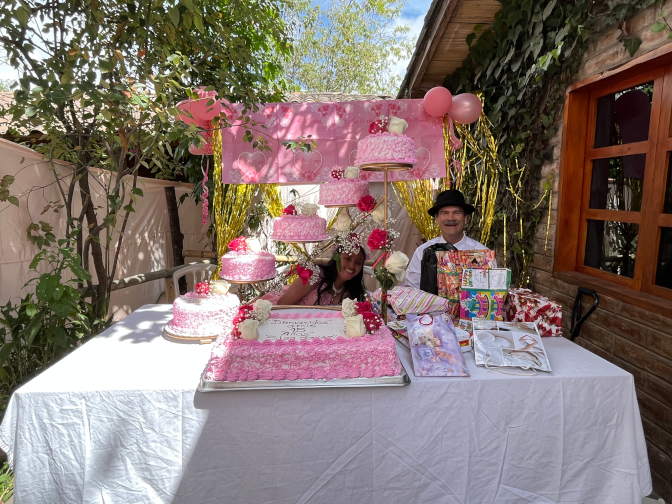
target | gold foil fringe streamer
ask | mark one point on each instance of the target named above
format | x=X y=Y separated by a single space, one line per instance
x=417 y=196
x=271 y=197
x=219 y=194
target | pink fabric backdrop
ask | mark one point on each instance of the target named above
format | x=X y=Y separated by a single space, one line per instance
x=336 y=127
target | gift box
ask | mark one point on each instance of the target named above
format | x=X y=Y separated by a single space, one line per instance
x=523 y=305
x=486 y=304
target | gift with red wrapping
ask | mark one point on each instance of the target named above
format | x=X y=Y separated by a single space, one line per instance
x=523 y=305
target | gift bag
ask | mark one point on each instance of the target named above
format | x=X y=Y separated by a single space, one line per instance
x=434 y=347
x=449 y=272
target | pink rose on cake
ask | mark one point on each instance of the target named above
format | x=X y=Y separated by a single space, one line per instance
x=202 y=288
x=377 y=239
x=289 y=210
x=246 y=323
x=366 y=204
x=238 y=245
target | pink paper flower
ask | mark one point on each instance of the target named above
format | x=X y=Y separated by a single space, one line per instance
x=239 y=244
x=289 y=210
x=377 y=239
x=366 y=204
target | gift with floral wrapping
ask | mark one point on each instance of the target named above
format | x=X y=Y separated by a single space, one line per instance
x=523 y=305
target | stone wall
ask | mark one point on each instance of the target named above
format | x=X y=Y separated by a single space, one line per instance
x=632 y=338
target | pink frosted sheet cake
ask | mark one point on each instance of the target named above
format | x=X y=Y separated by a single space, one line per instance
x=279 y=356
x=203 y=314
x=343 y=191
x=299 y=228
x=390 y=146
x=246 y=262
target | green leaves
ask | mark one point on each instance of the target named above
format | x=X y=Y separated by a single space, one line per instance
x=632 y=44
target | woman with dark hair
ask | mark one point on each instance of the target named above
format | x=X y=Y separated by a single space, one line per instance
x=336 y=282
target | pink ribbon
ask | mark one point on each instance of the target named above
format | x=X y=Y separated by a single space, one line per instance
x=205 y=192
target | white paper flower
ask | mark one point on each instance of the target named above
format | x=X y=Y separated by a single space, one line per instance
x=354 y=326
x=397 y=125
x=343 y=222
x=309 y=209
x=378 y=213
x=219 y=287
x=249 y=329
x=351 y=172
x=348 y=308
x=262 y=309
x=253 y=244
x=396 y=264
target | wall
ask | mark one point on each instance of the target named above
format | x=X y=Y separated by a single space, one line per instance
x=632 y=338
x=146 y=246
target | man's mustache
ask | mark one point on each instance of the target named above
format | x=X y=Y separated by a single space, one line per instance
x=450 y=223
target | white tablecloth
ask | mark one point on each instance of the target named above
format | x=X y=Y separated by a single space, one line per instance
x=119 y=421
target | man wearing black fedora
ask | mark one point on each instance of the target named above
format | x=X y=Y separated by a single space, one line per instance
x=450 y=212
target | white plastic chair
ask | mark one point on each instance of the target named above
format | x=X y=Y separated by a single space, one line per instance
x=199 y=272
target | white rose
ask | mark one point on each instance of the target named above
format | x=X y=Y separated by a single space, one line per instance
x=343 y=222
x=378 y=213
x=397 y=125
x=249 y=329
x=262 y=308
x=309 y=209
x=348 y=308
x=219 y=287
x=351 y=172
x=396 y=264
x=354 y=326
x=253 y=244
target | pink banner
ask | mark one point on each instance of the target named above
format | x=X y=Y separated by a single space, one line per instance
x=335 y=127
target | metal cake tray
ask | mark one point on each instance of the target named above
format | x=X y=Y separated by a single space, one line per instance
x=400 y=380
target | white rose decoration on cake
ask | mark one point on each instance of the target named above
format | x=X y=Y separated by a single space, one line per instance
x=253 y=245
x=343 y=222
x=354 y=326
x=396 y=264
x=262 y=309
x=351 y=172
x=249 y=329
x=397 y=125
x=219 y=287
x=378 y=213
x=348 y=308
x=309 y=209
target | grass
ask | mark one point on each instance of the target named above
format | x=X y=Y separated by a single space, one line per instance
x=6 y=483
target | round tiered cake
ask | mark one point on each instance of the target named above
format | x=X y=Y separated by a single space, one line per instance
x=306 y=227
x=246 y=262
x=390 y=146
x=209 y=311
x=345 y=188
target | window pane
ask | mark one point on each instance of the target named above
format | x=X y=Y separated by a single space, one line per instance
x=664 y=268
x=623 y=117
x=667 y=205
x=611 y=246
x=617 y=182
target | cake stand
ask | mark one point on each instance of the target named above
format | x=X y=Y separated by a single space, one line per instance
x=385 y=168
x=303 y=249
x=186 y=338
x=253 y=283
x=341 y=206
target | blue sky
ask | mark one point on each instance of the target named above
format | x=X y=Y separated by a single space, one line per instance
x=413 y=15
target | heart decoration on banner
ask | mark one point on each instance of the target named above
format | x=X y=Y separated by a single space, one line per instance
x=352 y=157
x=252 y=164
x=308 y=163
x=424 y=158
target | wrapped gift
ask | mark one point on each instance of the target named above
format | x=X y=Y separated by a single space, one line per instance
x=523 y=305
x=483 y=293
x=449 y=272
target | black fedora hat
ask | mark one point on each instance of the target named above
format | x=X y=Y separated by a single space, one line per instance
x=451 y=197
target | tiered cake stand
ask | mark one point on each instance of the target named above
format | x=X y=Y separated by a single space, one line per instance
x=254 y=283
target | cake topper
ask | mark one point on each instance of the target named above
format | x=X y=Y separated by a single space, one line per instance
x=397 y=125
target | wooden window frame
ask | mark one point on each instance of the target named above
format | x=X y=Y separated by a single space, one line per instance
x=577 y=155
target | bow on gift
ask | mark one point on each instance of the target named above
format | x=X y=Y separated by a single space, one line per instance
x=303 y=273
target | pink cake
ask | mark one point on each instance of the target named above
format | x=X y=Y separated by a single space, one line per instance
x=248 y=266
x=386 y=148
x=343 y=192
x=297 y=358
x=299 y=228
x=203 y=314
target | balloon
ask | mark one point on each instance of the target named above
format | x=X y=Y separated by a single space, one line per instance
x=466 y=108
x=437 y=101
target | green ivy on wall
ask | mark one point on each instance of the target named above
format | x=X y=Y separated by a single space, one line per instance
x=523 y=63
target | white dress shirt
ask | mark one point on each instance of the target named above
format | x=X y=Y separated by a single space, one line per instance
x=413 y=271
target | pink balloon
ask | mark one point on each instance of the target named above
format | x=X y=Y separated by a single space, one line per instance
x=466 y=108
x=437 y=101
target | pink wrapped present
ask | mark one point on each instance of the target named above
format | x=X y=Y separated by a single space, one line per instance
x=523 y=305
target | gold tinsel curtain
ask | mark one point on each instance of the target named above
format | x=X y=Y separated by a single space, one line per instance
x=270 y=194
x=231 y=202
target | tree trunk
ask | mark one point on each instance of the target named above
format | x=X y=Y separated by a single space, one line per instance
x=176 y=236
